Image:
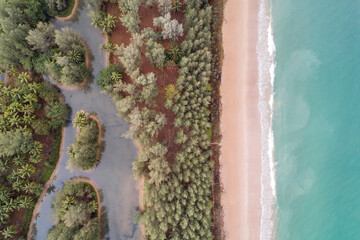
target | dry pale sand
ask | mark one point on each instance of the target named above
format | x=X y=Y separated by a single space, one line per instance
x=240 y=122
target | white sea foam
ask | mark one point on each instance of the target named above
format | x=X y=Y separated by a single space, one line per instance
x=266 y=50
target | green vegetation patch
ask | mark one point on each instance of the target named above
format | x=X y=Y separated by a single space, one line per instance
x=75 y=208
x=175 y=160
x=55 y=5
x=22 y=153
x=84 y=153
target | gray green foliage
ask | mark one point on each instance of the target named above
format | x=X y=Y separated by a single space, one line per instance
x=172 y=29
x=56 y=6
x=71 y=207
x=58 y=113
x=13 y=142
x=83 y=153
x=177 y=169
x=106 y=80
x=42 y=37
x=41 y=126
x=17 y=17
x=155 y=52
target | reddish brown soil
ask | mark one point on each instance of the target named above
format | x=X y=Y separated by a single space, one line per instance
x=168 y=76
x=165 y=76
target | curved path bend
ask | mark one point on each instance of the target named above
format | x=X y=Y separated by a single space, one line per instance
x=113 y=176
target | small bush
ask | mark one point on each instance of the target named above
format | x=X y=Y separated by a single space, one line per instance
x=41 y=126
x=105 y=81
x=83 y=153
x=58 y=114
x=171 y=91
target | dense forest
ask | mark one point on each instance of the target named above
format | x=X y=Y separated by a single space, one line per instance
x=75 y=208
x=162 y=80
x=31 y=118
x=32 y=114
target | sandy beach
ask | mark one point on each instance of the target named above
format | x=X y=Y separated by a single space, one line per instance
x=240 y=123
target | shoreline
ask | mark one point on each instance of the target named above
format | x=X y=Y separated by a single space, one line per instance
x=240 y=122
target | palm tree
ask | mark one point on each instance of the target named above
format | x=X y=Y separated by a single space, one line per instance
x=4 y=165
x=16 y=94
x=9 y=206
x=12 y=71
x=70 y=151
x=27 y=109
x=175 y=53
x=26 y=170
x=24 y=77
x=18 y=160
x=35 y=158
x=34 y=87
x=17 y=185
x=68 y=201
x=115 y=76
x=36 y=148
x=3 y=216
x=96 y=19
x=108 y=23
x=28 y=119
x=30 y=98
x=24 y=201
x=103 y=47
x=93 y=206
x=29 y=187
x=15 y=107
x=9 y=232
x=5 y=194
x=74 y=56
x=6 y=90
x=81 y=119
x=15 y=120
x=176 y=6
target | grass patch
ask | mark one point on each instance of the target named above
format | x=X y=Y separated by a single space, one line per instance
x=53 y=158
x=67 y=11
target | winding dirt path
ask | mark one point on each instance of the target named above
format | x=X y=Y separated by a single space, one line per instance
x=73 y=13
x=46 y=187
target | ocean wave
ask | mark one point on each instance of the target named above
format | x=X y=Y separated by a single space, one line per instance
x=266 y=51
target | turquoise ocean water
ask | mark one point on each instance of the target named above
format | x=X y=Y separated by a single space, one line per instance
x=316 y=121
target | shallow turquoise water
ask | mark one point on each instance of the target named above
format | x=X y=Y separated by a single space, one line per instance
x=317 y=118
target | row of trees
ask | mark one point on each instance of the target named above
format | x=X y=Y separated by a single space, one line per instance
x=75 y=208
x=21 y=156
x=177 y=201
x=84 y=153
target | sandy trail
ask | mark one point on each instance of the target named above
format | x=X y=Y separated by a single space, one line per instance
x=240 y=122
x=46 y=187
